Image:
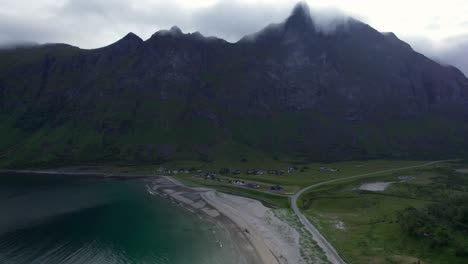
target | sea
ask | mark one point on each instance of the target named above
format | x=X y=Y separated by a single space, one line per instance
x=66 y=219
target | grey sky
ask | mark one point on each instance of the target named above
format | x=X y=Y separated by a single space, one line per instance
x=437 y=28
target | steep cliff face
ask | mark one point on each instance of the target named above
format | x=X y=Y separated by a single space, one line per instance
x=292 y=89
x=355 y=68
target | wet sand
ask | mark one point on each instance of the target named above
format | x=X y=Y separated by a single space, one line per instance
x=259 y=235
x=191 y=199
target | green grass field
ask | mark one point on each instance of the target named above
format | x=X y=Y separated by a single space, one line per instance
x=305 y=175
x=364 y=227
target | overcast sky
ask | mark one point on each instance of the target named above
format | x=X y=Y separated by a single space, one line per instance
x=434 y=27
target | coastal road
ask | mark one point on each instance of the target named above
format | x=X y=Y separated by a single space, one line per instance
x=329 y=250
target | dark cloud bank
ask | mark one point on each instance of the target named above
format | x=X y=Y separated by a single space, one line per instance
x=100 y=22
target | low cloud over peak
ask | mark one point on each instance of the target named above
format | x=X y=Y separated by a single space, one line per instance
x=325 y=20
x=97 y=23
x=452 y=51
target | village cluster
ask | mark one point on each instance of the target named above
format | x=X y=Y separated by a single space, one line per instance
x=213 y=176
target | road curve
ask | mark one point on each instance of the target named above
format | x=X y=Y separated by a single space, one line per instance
x=329 y=250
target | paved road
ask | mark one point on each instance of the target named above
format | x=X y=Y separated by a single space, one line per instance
x=329 y=250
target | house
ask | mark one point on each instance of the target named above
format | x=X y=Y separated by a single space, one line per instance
x=208 y=177
x=276 y=188
x=224 y=171
x=325 y=169
x=238 y=182
x=253 y=185
x=250 y=172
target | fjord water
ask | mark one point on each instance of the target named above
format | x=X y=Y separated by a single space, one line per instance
x=68 y=220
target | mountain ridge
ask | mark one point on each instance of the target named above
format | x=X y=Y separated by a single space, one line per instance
x=289 y=90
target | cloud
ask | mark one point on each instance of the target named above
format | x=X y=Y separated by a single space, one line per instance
x=327 y=20
x=97 y=23
x=452 y=51
x=455 y=52
x=232 y=19
x=87 y=23
x=13 y=30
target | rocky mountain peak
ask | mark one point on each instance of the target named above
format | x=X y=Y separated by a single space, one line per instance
x=300 y=17
x=127 y=43
x=175 y=30
x=132 y=37
x=301 y=9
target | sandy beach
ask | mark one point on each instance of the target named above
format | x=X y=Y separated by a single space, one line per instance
x=258 y=232
x=274 y=240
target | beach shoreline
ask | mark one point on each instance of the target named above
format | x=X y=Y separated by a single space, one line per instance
x=257 y=227
x=192 y=200
x=257 y=233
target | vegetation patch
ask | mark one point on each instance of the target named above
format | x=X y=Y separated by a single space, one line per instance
x=310 y=251
x=422 y=220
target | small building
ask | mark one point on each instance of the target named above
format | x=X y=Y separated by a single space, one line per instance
x=273 y=172
x=276 y=188
x=325 y=169
x=250 y=172
x=238 y=182
x=253 y=185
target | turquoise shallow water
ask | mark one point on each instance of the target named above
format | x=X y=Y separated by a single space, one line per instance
x=69 y=220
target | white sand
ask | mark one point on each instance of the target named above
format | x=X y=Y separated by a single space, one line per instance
x=274 y=240
x=375 y=186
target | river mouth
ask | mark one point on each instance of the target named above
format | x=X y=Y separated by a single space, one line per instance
x=62 y=219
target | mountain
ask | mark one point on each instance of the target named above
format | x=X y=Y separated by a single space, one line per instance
x=291 y=90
